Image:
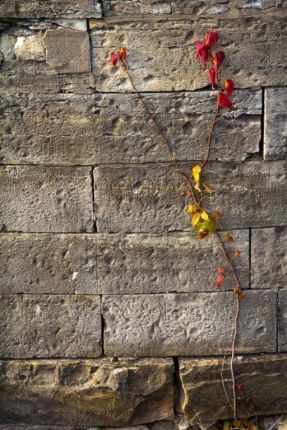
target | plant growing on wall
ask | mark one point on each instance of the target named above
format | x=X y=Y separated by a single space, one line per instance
x=204 y=222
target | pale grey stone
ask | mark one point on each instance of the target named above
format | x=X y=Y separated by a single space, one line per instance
x=126 y=8
x=275 y=124
x=46 y=199
x=47 y=326
x=150 y=198
x=113 y=128
x=68 y=51
x=269 y=258
x=161 y=53
x=50 y=9
x=264 y=387
x=30 y=48
x=111 y=264
x=139 y=264
x=188 y=324
x=102 y=392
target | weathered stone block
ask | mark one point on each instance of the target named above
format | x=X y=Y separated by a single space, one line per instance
x=67 y=51
x=237 y=8
x=127 y=8
x=50 y=326
x=193 y=9
x=87 y=392
x=40 y=199
x=282 y=320
x=113 y=128
x=275 y=127
x=45 y=57
x=51 y=9
x=139 y=264
x=149 y=198
x=161 y=54
x=268 y=258
x=263 y=378
x=188 y=324
x=99 y=264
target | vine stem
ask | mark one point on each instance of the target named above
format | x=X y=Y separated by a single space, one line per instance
x=179 y=171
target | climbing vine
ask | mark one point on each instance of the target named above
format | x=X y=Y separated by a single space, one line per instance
x=204 y=222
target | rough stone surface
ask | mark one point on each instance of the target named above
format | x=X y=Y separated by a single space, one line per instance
x=282 y=320
x=45 y=57
x=62 y=45
x=132 y=9
x=269 y=258
x=161 y=54
x=50 y=9
x=88 y=392
x=99 y=264
x=275 y=127
x=113 y=128
x=149 y=198
x=264 y=379
x=188 y=324
x=45 y=199
x=47 y=326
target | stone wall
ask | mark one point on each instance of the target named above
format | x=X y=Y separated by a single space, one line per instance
x=109 y=312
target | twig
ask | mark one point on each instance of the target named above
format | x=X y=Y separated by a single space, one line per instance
x=179 y=171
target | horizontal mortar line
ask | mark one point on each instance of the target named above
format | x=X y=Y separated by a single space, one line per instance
x=205 y=89
x=245 y=354
x=144 y=164
x=163 y=233
x=185 y=293
x=263 y=355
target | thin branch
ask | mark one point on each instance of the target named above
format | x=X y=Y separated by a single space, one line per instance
x=180 y=172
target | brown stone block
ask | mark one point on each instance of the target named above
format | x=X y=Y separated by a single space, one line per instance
x=263 y=392
x=99 y=392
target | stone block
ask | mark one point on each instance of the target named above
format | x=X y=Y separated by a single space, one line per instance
x=268 y=258
x=150 y=198
x=100 y=392
x=45 y=326
x=113 y=128
x=161 y=53
x=52 y=9
x=41 y=56
x=275 y=124
x=140 y=264
x=188 y=324
x=112 y=264
x=46 y=199
x=263 y=379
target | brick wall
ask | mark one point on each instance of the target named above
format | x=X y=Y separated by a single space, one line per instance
x=109 y=313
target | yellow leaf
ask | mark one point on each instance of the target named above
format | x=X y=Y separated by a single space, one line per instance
x=196 y=170
x=192 y=209
x=195 y=219
x=204 y=215
x=226 y=425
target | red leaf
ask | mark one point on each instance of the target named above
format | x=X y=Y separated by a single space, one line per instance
x=224 y=100
x=229 y=86
x=201 y=52
x=219 y=281
x=212 y=77
x=114 y=58
x=239 y=386
x=217 y=57
x=210 y=39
